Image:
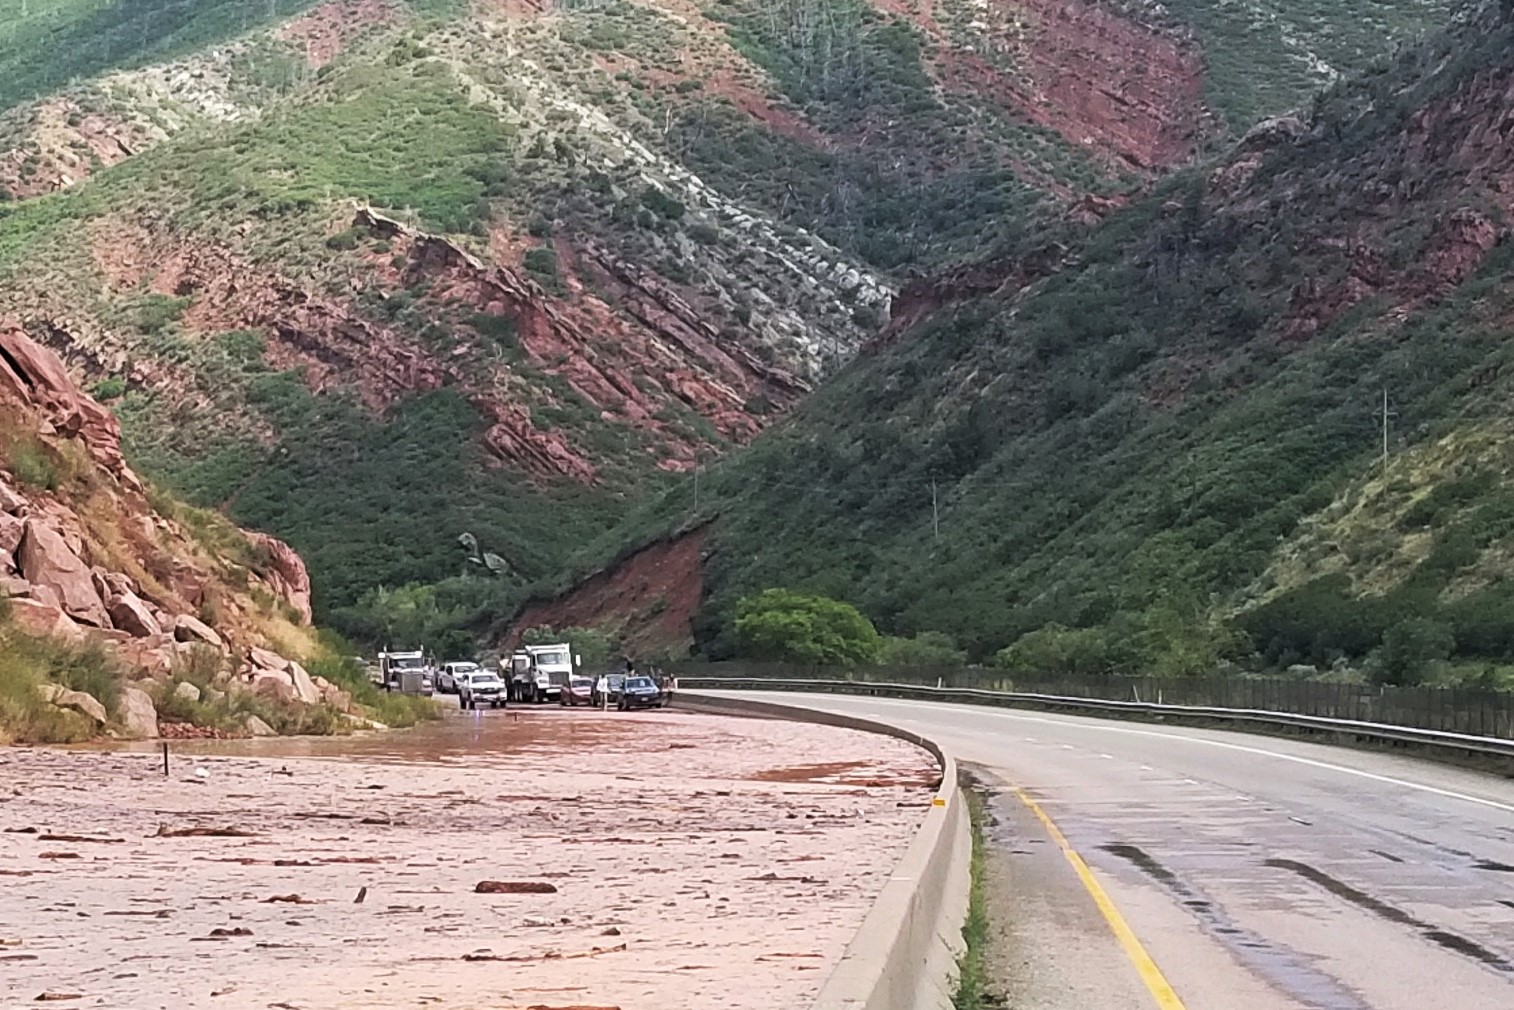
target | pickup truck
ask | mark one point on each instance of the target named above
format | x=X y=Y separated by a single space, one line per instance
x=480 y=687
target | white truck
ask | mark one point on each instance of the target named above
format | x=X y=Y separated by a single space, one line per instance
x=538 y=673
x=406 y=672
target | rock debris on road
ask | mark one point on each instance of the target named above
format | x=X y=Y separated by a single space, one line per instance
x=652 y=861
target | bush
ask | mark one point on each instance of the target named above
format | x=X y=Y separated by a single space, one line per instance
x=33 y=465
x=541 y=261
x=661 y=204
x=1410 y=652
x=109 y=389
x=1059 y=651
x=778 y=624
x=928 y=648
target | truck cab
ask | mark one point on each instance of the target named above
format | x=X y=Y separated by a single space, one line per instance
x=538 y=673
x=406 y=672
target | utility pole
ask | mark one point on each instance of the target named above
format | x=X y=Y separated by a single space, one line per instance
x=935 y=512
x=1385 y=416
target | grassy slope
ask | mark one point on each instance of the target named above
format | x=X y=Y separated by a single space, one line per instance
x=45 y=44
x=1076 y=487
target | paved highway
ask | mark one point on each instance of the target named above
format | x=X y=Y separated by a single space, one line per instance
x=1138 y=866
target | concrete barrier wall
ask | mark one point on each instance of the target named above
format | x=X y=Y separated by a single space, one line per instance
x=904 y=955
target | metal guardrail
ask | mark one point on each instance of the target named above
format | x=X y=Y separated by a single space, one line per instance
x=1381 y=732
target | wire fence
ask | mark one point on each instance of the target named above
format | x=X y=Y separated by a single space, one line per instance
x=1472 y=711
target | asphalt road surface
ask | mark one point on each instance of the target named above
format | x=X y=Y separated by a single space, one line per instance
x=1137 y=866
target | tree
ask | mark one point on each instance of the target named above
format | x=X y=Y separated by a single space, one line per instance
x=779 y=624
x=1409 y=651
x=928 y=648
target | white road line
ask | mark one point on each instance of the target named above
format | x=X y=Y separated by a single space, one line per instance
x=1261 y=751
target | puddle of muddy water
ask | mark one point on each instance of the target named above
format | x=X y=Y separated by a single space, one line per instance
x=476 y=735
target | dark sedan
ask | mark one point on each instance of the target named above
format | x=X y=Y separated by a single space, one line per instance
x=640 y=692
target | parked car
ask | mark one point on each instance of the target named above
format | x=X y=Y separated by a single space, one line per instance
x=480 y=687
x=447 y=678
x=580 y=691
x=640 y=692
x=614 y=682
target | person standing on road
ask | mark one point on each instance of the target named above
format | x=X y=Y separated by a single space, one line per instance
x=601 y=690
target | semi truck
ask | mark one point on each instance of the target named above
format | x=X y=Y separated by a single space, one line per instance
x=538 y=673
x=406 y=672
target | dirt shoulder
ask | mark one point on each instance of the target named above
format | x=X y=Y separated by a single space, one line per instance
x=697 y=861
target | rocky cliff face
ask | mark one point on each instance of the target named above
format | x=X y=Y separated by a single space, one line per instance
x=86 y=556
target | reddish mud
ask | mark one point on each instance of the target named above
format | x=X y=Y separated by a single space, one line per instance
x=640 y=860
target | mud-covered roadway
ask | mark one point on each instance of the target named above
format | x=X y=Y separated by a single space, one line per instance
x=676 y=860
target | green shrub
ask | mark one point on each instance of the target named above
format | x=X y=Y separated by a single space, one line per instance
x=661 y=204
x=109 y=389
x=928 y=649
x=542 y=262
x=34 y=464
x=1056 y=650
x=156 y=312
x=1410 y=652
x=779 y=624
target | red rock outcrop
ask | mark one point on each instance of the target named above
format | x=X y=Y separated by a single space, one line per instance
x=62 y=146
x=1127 y=91
x=84 y=555
x=331 y=27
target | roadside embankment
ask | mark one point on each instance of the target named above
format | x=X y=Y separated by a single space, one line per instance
x=673 y=861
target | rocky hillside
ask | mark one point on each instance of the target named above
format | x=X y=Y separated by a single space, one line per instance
x=1176 y=440
x=114 y=599
x=395 y=271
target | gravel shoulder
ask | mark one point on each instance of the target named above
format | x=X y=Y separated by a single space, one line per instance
x=679 y=861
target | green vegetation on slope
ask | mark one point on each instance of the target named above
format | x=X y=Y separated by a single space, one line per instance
x=1264 y=57
x=1126 y=446
x=45 y=44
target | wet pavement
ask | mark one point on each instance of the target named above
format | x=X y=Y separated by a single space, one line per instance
x=654 y=860
x=1257 y=873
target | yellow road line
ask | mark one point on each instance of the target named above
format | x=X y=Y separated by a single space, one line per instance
x=1151 y=975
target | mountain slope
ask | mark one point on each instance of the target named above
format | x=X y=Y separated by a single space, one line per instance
x=1185 y=420
x=397 y=271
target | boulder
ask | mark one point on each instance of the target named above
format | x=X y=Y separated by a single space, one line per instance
x=268 y=660
x=187 y=691
x=337 y=698
x=12 y=586
x=119 y=583
x=304 y=687
x=211 y=696
x=153 y=655
x=10 y=501
x=132 y=616
x=138 y=714
x=285 y=573
x=44 y=619
x=192 y=629
x=273 y=684
x=11 y=529
x=45 y=595
x=257 y=727
x=46 y=560
x=86 y=704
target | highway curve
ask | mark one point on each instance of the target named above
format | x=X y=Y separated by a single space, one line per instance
x=1145 y=866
